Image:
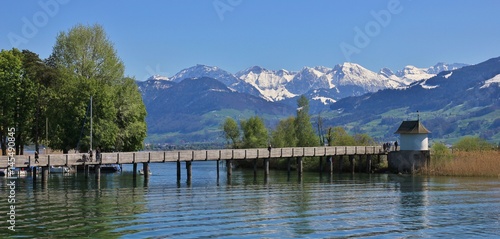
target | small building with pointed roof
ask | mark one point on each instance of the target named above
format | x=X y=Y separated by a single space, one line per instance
x=413 y=135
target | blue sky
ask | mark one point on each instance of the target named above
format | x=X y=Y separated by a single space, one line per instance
x=164 y=37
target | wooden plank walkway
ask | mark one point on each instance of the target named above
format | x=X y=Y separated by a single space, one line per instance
x=190 y=155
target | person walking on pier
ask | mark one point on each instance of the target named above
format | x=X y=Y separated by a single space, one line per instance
x=36 y=156
x=396 y=146
x=98 y=154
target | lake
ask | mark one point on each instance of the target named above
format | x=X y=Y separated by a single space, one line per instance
x=360 y=205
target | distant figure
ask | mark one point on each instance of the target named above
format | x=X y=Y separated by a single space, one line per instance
x=98 y=153
x=36 y=156
x=396 y=146
x=90 y=155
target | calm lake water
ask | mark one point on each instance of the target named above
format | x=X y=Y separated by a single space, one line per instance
x=361 y=205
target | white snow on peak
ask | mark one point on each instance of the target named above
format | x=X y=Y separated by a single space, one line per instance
x=492 y=81
x=448 y=75
x=158 y=77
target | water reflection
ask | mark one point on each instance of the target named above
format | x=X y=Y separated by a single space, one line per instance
x=345 y=205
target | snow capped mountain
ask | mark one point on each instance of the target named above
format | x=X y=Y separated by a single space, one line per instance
x=270 y=84
x=347 y=79
x=356 y=75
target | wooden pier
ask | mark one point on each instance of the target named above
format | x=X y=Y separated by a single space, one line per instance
x=189 y=156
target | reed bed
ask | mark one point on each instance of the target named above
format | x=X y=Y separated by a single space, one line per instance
x=461 y=163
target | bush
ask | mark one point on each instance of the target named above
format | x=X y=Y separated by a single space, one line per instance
x=469 y=143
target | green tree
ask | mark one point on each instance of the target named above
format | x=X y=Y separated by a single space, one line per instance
x=131 y=117
x=89 y=67
x=303 y=127
x=363 y=140
x=284 y=134
x=337 y=136
x=10 y=83
x=254 y=133
x=440 y=151
x=231 y=132
x=470 y=143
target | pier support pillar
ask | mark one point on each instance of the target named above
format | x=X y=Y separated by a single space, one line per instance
x=255 y=169
x=178 y=171
x=266 y=167
x=351 y=162
x=145 y=169
x=218 y=171
x=330 y=165
x=34 y=174
x=360 y=163
x=134 y=173
x=86 y=169
x=369 y=163
x=321 y=166
x=97 y=169
x=289 y=166
x=189 y=171
x=299 y=166
x=229 y=167
x=341 y=163
x=45 y=174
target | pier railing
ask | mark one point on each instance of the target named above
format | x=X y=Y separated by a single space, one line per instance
x=187 y=155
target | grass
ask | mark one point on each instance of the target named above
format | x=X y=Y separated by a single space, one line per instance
x=475 y=163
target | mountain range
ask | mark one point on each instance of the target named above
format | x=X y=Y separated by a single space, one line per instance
x=191 y=105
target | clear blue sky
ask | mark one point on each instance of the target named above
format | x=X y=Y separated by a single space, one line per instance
x=163 y=37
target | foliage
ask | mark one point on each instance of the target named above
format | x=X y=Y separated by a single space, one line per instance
x=254 y=133
x=231 y=132
x=482 y=163
x=469 y=143
x=337 y=136
x=303 y=128
x=90 y=67
x=284 y=134
x=10 y=83
x=440 y=152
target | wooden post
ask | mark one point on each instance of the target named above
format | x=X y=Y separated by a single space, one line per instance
x=369 y=163
x=34 y=174
x=320 y=165
x=289 y=166
x=299 y=166
x=188 y=171
x=178 y=170
x=341 y=163
x=229 y=167
x=266 y=167
x=360 y=164
x=330 y=166
x=255 y=169
x=351 y=161
x=134 y=169
x=218 y=171
x=97 y=169
x=145 y=169
x=45 y=174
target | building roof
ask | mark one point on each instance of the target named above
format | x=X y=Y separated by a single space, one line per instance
x=412 y=127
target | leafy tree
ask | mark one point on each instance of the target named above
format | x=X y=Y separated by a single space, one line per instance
x=469 y=143
x=254 y=133
x=363 y=140
x=440 y=151
x=131 y=117
x=337 y=136
x=284 y=134
x=89 y=67
x=303 y=127
x=231 y=132
x=10 y=83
